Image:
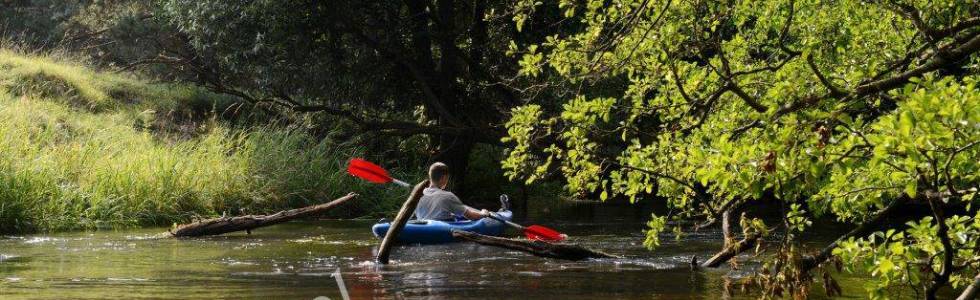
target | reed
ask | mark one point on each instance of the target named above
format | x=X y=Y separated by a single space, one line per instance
x=82 y=149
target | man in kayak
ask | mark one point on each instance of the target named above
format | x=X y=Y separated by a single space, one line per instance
x=439 y=204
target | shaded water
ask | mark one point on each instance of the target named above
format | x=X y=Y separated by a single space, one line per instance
x=294 y=261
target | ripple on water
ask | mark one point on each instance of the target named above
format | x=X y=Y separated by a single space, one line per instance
x=492 y=258
x=321 y=241
x=40 y=239
x=250 y=245
x=126 y=279
x=108 y=246
x=424 y=276
x=276 y=272
x=314 y=274
x=147 y=237
x=645 y=263
x=352 y=242
x=234 y=262
x=367 y=263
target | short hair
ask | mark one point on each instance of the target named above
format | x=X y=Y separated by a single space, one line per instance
x=437 y=171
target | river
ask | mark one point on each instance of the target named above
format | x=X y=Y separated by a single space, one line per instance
x=297 y=260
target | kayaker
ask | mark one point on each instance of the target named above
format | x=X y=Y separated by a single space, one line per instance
x=439 y=204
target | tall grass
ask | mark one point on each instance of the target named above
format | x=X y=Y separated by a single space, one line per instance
x=84 y=149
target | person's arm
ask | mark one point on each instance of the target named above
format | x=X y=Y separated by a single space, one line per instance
x=460 y=209
x=473 y=214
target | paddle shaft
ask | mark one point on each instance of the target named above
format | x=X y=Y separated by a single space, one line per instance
x=401 y=183
x=512 y=224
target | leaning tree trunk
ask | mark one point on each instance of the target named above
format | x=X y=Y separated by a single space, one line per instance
x=972 y=291
x=224 y=225
x=408 y=208
x=537 y=248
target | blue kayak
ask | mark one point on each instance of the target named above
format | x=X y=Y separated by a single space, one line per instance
x=436 y=232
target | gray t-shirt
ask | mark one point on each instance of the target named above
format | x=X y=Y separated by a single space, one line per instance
x=438 y=204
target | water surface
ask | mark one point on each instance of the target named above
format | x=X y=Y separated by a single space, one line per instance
x=295 y=261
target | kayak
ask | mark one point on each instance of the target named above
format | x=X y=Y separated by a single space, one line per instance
x=437 y=232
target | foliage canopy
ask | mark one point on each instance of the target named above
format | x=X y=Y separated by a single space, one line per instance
x=855 y=110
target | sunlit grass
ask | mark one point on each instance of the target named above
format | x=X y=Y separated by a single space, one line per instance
x=84 y=149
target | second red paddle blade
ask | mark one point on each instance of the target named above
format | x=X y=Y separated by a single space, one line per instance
x=537 y=232
x=368 y=171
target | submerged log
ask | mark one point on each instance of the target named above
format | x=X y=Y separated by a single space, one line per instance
x=224 y=225
x=396 y=226
x=731 y=251
x=537 y=248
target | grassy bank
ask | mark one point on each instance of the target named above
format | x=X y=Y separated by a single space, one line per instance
x=86 y=149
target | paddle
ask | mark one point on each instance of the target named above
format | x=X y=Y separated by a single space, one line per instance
x=372 y=172
x=375 y=173
x=533 y=232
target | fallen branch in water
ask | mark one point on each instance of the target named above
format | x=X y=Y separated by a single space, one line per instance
x=731 y=251
x=224 y=225
x=537 y=248
x=731 y=248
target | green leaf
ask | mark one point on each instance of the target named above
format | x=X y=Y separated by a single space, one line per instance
x=910 y=188
x=905 y=123
x=897 y=175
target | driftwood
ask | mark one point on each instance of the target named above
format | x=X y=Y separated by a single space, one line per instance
x=731 y=251
x=224 y=225
x=730 y=248
x=537 y=248
x=399 y=223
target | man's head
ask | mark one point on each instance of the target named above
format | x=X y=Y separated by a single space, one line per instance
x=439 y=175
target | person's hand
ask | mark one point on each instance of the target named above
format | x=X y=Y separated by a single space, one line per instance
x=485 y=213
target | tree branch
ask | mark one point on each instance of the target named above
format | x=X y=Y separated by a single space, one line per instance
x=942 y=277
x=432 y=98
x=812 y=261
x=938 y=60
x=834 y=90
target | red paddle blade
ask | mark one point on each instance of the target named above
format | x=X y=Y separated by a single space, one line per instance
x=368 y=171
x=538 y=232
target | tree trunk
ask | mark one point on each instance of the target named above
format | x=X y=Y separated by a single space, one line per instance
x=399 y=223
x=971 y=291
x=537 y=248
x=726 y=227
x=224 y=225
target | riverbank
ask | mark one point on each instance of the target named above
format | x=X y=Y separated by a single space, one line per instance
x=84 y=149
